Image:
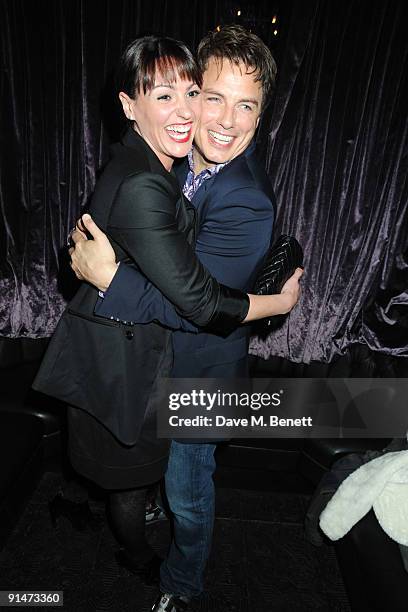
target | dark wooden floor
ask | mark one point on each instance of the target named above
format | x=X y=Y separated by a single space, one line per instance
x=260 y=560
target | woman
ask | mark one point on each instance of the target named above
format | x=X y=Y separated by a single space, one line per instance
x=138 y=203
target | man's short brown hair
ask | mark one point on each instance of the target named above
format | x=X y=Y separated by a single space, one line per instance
x=236 y=44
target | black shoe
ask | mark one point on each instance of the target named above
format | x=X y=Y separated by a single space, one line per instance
x=79 y=514
x=166 y=602
x=149 y=571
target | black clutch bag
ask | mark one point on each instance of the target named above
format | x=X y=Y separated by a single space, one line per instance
x=281 y=261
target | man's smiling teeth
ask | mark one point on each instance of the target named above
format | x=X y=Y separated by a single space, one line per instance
x=221 y=138
x=179 y=131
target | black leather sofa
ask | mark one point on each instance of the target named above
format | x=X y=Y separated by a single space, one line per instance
x=29 y=437
x=370 y=561
x=21 y=458
x=372 y=568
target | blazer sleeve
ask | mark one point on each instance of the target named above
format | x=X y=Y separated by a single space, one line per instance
x=231 y=243
x=131 y=298
x=143 y=222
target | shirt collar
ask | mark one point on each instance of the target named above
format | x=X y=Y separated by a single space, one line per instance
x=211 y=170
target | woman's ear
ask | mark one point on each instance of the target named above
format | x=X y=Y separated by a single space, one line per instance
x=127 y=105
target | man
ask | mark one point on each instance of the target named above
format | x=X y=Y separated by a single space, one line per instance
x=234 y=205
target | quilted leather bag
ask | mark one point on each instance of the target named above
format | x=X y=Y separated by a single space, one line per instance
x=281 y=261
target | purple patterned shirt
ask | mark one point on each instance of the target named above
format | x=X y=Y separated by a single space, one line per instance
x=194 y=182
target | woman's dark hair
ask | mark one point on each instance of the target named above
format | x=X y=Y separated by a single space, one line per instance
x=236 y=44
x=146 y=56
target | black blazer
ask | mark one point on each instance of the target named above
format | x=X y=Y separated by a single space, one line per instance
x=110 y=369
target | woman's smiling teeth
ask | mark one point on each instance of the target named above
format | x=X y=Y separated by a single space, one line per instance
x=179 y=132
x=220 y=138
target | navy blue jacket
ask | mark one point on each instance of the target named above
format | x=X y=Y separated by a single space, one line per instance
x=234 y=221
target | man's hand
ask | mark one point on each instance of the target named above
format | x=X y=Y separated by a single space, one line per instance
x=92 y=260
x=265 y=306
x=291 y=290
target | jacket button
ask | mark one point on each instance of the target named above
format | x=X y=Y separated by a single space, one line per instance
x=129 y=334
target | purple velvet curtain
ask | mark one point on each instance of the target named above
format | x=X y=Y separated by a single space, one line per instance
x=51 y=145
x=337 y=155
x=335 y=140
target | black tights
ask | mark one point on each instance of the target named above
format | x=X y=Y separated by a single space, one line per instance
x=126 y=510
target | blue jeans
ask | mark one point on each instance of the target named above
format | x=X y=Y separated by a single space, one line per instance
x=190 y=492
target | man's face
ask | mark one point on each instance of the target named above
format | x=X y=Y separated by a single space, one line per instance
x=231 y=105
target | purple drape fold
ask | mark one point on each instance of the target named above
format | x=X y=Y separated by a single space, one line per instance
x=49 y=154
x=337 y=157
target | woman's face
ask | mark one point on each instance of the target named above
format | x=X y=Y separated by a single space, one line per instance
x=165 y=117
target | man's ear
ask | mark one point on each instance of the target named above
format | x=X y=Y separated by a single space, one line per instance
x=127 y=105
